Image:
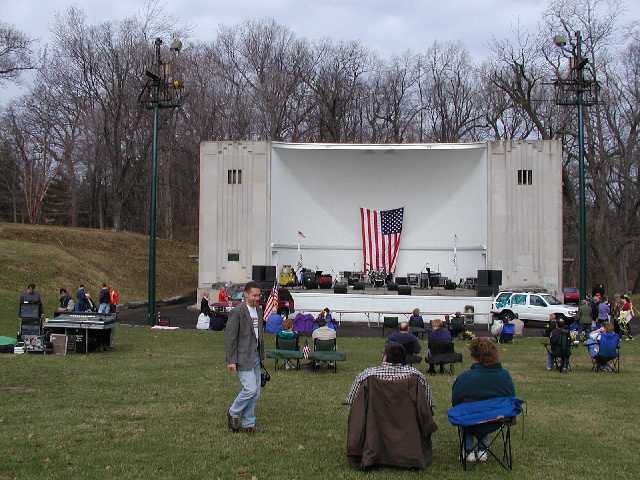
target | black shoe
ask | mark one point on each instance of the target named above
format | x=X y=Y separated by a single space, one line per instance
x=233 y=423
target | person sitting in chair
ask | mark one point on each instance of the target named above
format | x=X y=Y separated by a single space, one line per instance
x=329 y=319
x=607 y=348
x=557 y=336
x=484 y=380
x=287 y=333
x=409 y=341
x=456 y=325
x=416 y=320
x=391 y=368
x=323 y=332
x=437 y=335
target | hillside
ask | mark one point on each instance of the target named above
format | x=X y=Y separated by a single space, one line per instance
x=52 y=257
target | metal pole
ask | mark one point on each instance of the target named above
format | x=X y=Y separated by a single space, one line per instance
x=581 y=171
x=152 y=220
x=151 y=300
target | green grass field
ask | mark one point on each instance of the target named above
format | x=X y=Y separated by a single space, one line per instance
x=155 y=407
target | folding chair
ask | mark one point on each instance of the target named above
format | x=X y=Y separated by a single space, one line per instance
x=492 y=418
x=443 y=354
x=502 y=435
x=608 y=355
x=507 y=333
x=559 y=347
x=325 y=351
x=456 y=326
x=284 y=345
x=389 y=322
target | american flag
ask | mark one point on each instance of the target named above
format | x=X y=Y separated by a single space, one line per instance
x=306 y=350
x=380 y=238
x=272 y=302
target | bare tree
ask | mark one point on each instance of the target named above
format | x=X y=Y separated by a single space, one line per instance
x=15 y=53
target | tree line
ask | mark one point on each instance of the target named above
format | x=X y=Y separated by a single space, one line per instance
x=75 y=149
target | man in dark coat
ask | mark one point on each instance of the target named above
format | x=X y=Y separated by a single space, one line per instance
x=244 y=352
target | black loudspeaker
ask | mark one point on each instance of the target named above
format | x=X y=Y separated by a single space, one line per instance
x=483 y=278
x=358 y=286
x=340 y=287
x=404 y=290
x=269 y=273
x=401 y=280
x=487 y=290
x=392 y=286
x=450 y=285
x=258 y=273
x=495 y=277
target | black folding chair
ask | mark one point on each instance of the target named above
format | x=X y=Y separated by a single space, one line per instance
x=559 y=347
x=288 y=344
x=442 y=354
x=500 y=436
x=389 y=322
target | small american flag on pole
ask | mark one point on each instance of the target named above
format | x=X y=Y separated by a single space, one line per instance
x=381 y=232
x=306 y=350
x=272 y=302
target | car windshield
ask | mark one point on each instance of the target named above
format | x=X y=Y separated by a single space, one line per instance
x=236 y=296
x=503 y=297
x=551 y=300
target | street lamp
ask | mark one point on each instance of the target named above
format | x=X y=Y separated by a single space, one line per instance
x=576 y=90
x=161 y=90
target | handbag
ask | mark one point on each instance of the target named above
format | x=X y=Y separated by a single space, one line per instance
x=265 y=377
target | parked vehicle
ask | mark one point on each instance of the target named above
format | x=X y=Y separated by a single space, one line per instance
x=285 y=300
x=529 y=306
x=571 y=295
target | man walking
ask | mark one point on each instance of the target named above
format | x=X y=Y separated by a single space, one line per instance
x=244 y=352
x=105 y=299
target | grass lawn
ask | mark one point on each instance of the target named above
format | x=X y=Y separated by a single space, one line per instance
x=155 y=407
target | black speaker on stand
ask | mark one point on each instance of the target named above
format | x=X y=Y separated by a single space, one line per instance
x=258 y=273
x=359 y=286
x=404 y=290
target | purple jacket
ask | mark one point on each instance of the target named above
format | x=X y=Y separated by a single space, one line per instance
x=603 y=311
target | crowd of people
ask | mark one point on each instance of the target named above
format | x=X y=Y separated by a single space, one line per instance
x=108 y=299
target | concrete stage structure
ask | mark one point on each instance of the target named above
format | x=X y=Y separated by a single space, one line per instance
x=499 y=204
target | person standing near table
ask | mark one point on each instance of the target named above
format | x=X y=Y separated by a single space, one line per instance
x=244 y=352
x=30 y=295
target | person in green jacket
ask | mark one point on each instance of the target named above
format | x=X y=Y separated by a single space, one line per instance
x=485 y=379
x=584 y=314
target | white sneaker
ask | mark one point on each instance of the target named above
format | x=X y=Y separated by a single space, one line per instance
x=471 y=457
x=482 y=456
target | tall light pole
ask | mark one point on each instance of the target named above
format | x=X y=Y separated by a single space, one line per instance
x=160 y=91
x=576 y=90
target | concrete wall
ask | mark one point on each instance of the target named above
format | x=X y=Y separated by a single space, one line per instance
x=525 y=221
x=233 y=218
x=318 y=189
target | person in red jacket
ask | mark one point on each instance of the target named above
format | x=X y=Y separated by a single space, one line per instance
x=222 y=295
x=115 y=299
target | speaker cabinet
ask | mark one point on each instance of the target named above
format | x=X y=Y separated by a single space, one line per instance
x=258 y=273
x=483 y=277
x=359 y=286
x=270 y=273
x=487 y=290
x=340 y=287
x=392 y=286
x=401 y=280
x=404 y=290
x=495 y=277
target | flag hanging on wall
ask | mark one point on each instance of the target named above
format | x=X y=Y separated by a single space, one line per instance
x=381 y=238
x=272 y=302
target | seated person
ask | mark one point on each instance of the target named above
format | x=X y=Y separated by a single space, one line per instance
x=392 y=368
x=484 y=380
x=329 y=319
x=555 y=337
x=323 y=332
x=607 y=347
x=287 y=329
x=438 y=334
x=416 y=320
x=409 y=341
x=287 y=333
x=65 y=298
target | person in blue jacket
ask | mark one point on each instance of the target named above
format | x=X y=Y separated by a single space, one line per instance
x=485 y=379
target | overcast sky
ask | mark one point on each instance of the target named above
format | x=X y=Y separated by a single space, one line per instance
x=388 y=26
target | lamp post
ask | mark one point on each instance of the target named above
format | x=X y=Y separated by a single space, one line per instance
x=576 y=90
x=160 y=91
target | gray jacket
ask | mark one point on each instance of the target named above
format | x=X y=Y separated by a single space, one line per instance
x=240 y=339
